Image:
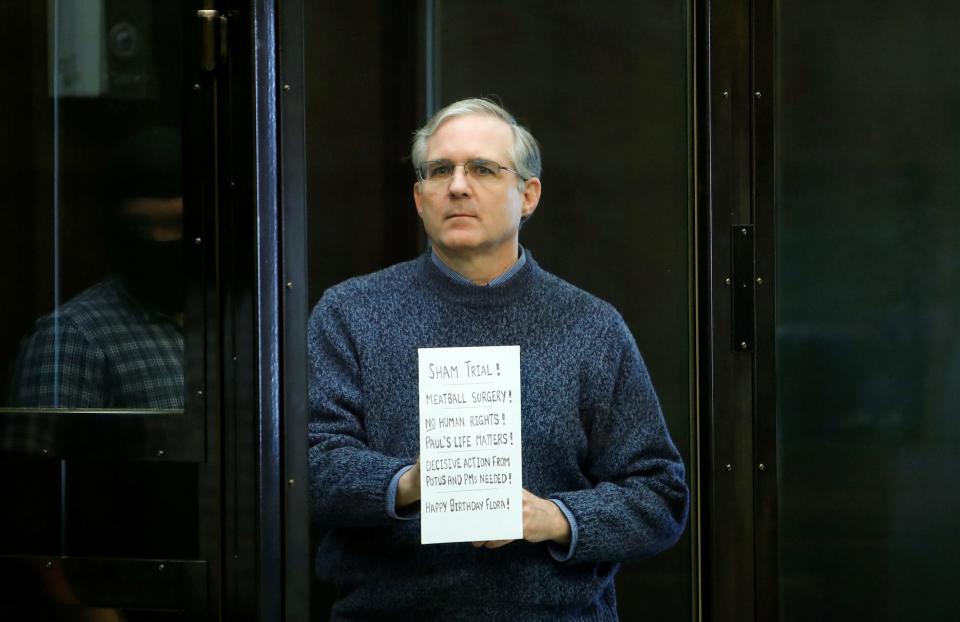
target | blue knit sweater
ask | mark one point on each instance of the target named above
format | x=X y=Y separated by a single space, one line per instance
x=593 y=438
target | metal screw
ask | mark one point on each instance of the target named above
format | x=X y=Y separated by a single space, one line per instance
x=200 y=393
x=762 y=466
x=289 y=284
x=743 y=345
x=758 y=95
x=196 y=87
x=44 y=452
x=198 y=241
x=160 y=567
x=727 y=280
x=159 y=453
x=759 y=280
x=290 y=482
x=743 y=231
x=726 y=93
x=286 y=87
x=729 y=467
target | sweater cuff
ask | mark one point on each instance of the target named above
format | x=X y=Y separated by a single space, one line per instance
x=557 y=551
x=413 y=511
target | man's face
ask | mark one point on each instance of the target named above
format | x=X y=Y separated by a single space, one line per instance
x=465 y=215
x=154 y=219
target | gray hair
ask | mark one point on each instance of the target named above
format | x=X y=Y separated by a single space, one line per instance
x=525 y=151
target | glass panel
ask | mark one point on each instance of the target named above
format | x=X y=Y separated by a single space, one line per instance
x=357 y=139
x=357 y=179
x=92 y=253
x=868 y=290
x=91 y=284
x=610 y=108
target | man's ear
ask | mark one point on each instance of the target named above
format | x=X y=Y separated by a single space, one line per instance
x=418 y=198
x=531 y=197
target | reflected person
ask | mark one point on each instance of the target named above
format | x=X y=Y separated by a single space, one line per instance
x=603 y=481
x=119 y=344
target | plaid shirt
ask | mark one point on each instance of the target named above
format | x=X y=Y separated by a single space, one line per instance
x=102 y=349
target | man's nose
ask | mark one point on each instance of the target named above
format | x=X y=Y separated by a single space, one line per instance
x=458 y=182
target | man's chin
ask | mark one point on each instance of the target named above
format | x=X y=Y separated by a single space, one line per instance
x=459 y=241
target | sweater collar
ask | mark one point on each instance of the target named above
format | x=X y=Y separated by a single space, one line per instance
x=499 y=280
x=470 y=295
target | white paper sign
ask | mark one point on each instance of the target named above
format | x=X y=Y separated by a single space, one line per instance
x=470 y=458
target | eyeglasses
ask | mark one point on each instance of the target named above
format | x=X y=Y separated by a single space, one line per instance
x=442 y=170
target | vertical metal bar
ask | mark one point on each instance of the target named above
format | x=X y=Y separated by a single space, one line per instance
x=267 y=295
x=203 y=326
x=63 y=507
x=209 y=22
x=763 y=102
x=705 y=293
x=726 y=377
x=695 y=62
x=292 y=151
x=55 y=95
x=57 y=350
x=430 y=59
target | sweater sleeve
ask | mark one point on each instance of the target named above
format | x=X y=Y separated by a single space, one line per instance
x=350 y=482
x=639 y=500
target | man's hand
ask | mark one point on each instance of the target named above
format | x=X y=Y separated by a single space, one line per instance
x=408 y=486
x=542 y=520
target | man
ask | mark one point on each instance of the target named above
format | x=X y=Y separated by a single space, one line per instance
x=119 y=344
x=603 y=481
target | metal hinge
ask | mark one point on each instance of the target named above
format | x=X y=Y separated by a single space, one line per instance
x=214 y=48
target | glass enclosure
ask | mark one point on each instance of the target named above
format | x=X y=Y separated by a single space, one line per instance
x=610 y=107
x=868 y=293
x=93 y=161
x=92 y=290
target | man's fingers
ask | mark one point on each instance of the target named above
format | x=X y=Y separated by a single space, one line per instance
x=490 y=544
x=495 y=544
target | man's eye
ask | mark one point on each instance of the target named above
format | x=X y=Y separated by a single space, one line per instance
x=482 y=170
x=441 y=170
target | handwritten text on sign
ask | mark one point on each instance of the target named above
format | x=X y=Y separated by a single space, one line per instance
x=470 y=459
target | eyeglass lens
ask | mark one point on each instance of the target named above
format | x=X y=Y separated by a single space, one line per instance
x=443 y=169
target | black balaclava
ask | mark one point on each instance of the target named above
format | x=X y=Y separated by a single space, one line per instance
x=147 y=165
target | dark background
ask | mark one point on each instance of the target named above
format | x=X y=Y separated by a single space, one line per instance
x=868 y=296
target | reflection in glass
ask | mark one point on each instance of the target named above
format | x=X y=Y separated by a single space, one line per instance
x=91 y=275
x=868 y=336
x=91 y=297
x=119 y=343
